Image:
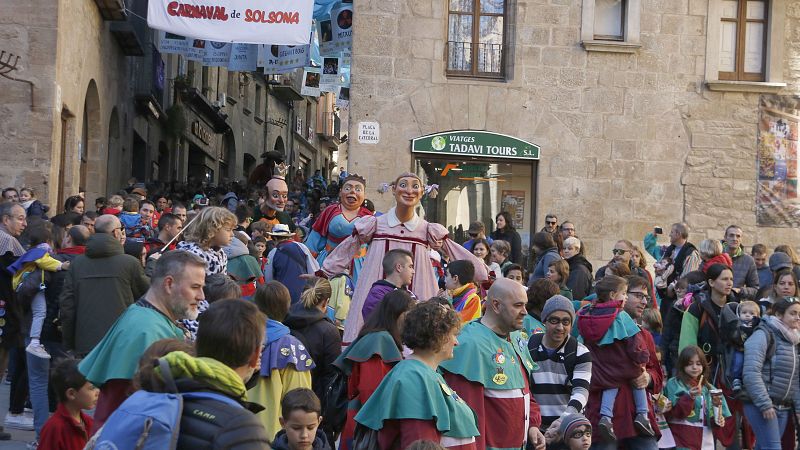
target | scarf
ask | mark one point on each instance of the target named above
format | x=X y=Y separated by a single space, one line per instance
x=792 y=336
x=739 y=251
x=208 y=371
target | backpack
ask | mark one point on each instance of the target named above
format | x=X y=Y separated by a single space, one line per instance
x=150 y=420
x=334 y=401
x=570 y=352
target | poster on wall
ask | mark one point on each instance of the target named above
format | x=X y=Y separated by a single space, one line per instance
x=514 y=203
x=283 y=22
x=310 y=82
x=777 y=203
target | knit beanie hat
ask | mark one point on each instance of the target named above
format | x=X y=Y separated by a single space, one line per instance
x=558 y=303
x=779 y=260
x=570 y=422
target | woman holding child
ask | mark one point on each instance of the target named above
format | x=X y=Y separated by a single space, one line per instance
x=771 y=373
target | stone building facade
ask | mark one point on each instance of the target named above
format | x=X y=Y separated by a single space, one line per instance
x=101 y=105
x=633 y=133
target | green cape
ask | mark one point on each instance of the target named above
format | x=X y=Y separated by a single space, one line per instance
x=531 y=325
x=117 y=355
x=481 y=357
x=379 y=343
x=412 y=390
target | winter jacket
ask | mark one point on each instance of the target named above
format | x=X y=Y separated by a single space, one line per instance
x=542 y=263
x=745 y=274
x=580 y=277
x=286 y=264
x=99 y=286
x=775 y=381
x=704 y=332
x=209 y=423
x=321 y=338
x=50 y=328
x=615 y=363
x=320 y=441
x=230 y=201
x=36 y=208
x=513 y=238
x=376 y=293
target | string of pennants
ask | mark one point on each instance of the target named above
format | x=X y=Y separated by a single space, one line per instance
x=325 y=57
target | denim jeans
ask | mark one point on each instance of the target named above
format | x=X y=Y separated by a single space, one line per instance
x=38 y=379
x=634 y=443
x=610 y=397
x=768 y=432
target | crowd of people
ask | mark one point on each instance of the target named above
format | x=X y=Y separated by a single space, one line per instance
x=296 y=316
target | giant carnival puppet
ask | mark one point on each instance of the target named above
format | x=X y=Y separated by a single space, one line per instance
x=277 y=195
x=337 y=222
x=400 y=228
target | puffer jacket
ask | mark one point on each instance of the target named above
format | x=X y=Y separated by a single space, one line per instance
x=773 y=382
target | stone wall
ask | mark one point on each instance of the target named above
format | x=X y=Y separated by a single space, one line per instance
x=628 y=141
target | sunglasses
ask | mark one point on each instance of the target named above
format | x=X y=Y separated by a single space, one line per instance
x=551 y=223
x=566 y=321
x=617 y=251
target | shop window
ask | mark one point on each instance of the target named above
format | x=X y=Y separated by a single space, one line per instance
x=611 y=25
x=476 y=38
x=745 y=45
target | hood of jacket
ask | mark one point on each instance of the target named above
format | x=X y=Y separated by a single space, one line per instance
x=580 y=260
x=102 y=245
x=275 y=330
x=596 y=319
x=300 y=317
x=281 y=442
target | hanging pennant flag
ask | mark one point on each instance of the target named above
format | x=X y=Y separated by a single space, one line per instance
x=310 y=82
x=336 y=33
x=331 y=75
x=284 y=58
x=218 y=54
x=243 y=58
x=283 y=22
x=172 y=43
x=196 y=50
x=343 y=98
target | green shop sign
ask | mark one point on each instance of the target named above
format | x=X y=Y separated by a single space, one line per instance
x=482 y=144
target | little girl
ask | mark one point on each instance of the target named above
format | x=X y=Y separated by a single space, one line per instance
x=699 y=412
x=619 y=352
x=558 y=273
x=205 y=236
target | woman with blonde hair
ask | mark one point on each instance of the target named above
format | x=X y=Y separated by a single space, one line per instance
x=310 y=322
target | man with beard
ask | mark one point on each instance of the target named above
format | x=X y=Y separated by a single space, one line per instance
x=176 y=288
x=272 y=209
x=491 y=369
x=337 y=222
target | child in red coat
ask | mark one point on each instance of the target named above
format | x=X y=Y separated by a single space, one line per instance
x=619 y=352
x=68 y=428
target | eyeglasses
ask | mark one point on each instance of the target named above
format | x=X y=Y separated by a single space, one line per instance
x=581 y=434
x=639 y=295
x=618 y=251
x=566 y=321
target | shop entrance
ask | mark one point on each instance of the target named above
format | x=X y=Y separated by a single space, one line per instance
x=479 y=185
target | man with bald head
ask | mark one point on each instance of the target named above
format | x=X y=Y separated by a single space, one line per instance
x=99 y=286
x=491 y=369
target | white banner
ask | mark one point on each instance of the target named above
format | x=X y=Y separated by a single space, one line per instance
x=310 y=82
x=283 y=22
x=336 y=33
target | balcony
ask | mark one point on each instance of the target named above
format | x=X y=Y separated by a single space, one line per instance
x=148 y=84
x=474 y=59
x=127 y=37
x=111 y=9
x=283 y=90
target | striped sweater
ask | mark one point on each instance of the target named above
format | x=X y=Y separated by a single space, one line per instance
x=552 y=388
